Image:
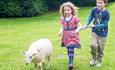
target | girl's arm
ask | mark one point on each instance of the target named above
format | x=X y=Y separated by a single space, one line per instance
x=60 y=32
x=79 y=26
x=61 y=29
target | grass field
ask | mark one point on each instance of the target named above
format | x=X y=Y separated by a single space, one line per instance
x=16 y=34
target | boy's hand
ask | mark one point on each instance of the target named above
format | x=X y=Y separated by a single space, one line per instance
x=92 y=26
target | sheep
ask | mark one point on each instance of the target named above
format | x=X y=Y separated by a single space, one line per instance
x=39 y=51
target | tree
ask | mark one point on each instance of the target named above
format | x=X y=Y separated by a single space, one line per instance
x=22 y=8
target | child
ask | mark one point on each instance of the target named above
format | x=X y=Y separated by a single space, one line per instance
x=100 y=17
x=70 y=30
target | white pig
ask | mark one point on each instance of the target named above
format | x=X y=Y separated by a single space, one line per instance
x=39 y=51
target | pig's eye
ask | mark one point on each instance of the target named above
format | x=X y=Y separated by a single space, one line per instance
x=30 y=56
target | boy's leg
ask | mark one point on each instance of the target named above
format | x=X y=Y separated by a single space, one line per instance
x=71 y=56
x=101 y=45
x=93 y=48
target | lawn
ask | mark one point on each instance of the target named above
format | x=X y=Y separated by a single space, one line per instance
x=16 y=34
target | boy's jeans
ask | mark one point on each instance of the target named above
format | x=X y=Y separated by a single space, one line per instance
x=97 y=46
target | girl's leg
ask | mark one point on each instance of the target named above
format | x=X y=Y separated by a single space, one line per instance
x=71 y=56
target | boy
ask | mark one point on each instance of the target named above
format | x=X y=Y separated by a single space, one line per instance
x=100 y=17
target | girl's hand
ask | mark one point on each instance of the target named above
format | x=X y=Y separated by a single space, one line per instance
x=76 y=31
x=60 y=34
x=79 y=27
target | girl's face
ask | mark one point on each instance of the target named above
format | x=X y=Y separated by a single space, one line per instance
x=67 y=11
x=100 y=5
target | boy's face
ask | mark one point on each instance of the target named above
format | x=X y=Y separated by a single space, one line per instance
x=100 y=4
x=67 y=11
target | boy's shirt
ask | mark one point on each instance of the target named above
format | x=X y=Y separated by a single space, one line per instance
x=100 y=20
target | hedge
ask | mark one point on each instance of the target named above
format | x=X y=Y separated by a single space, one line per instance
x=55 y=4
x=28 y=8
x=22 y=8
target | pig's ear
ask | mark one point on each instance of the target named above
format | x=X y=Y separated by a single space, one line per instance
x=24 y=52
x=34 y=54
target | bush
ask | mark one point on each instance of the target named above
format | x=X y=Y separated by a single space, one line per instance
x=22 y=8
x=55 y=4
x=28 y=8
x=111 y=0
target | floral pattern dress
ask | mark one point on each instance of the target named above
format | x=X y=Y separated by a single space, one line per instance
x=69 y=37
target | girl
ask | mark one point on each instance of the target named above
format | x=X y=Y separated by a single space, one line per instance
x=70 y=30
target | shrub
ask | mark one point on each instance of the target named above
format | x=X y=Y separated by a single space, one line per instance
x=22 y=8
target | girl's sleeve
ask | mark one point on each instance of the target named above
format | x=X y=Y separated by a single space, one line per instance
x=77 y=20
x=61 y=20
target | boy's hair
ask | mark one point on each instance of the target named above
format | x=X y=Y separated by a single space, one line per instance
x=68 y=4
x=105 y=1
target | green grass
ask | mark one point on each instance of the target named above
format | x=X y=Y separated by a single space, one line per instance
x=16 y=34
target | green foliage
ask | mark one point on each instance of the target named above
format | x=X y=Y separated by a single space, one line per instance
x=22 y=8
x=111 y=0
x=55 y=4
x=28 y=8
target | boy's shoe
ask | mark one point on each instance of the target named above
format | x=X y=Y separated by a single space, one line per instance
x=98 y=64
x=92 y=62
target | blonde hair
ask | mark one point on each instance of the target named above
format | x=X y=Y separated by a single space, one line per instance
x=68 y=4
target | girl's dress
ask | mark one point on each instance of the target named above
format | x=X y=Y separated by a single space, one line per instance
x=69 y=37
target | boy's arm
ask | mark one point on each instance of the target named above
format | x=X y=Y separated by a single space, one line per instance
x=90 y=18
x=102 y=25
x=105 y=22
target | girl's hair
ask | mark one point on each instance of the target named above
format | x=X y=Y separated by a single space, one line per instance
x=68 y=4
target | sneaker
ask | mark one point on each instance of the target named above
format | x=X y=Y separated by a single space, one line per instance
x=98 y=64
x=71 y=67
x=92 y=62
